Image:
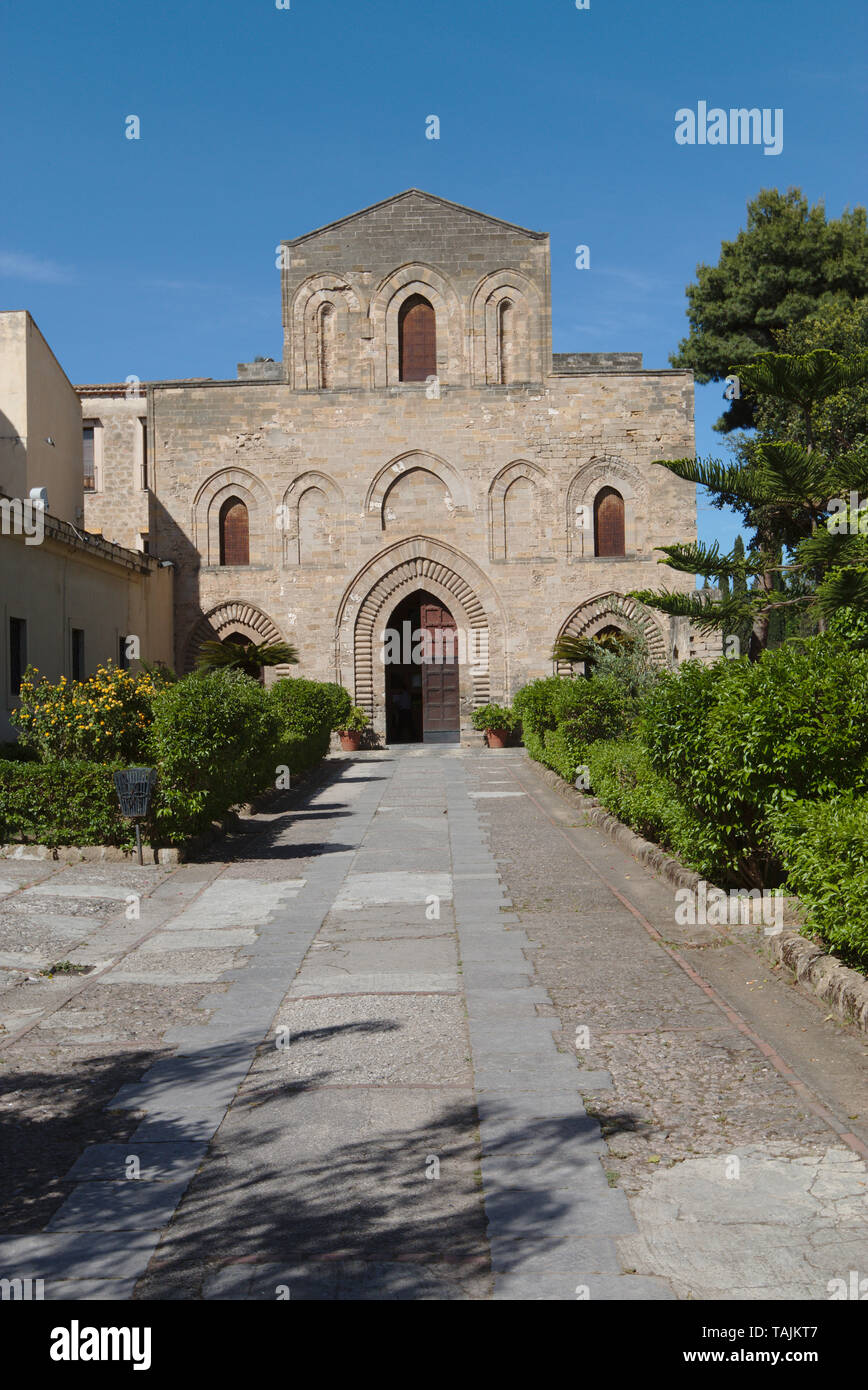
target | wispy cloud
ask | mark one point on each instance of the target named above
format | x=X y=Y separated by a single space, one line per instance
x=20 y=265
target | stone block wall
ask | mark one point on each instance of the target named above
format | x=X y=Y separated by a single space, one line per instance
x=119 y=507
x=477 y=486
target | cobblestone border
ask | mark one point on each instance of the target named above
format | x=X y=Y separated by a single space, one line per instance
x=844 y=990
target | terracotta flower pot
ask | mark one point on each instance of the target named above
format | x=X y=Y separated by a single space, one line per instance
x=497 y=738
x=351 y=741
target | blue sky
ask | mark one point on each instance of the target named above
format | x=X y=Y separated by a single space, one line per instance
x=156 y=257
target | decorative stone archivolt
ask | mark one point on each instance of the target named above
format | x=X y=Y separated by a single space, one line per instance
x=599 y=472
x=386 y=301
x=439 y=569
x=456 y=498
x=517 y=510
x=505 y=330
x=296 y=517
x=261 y=513
x=617 y=610
x=234 y=616
x=323 y=353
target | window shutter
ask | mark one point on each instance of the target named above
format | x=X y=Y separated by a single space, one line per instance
x=417 y=339
x=234 y=533
x=609 y=522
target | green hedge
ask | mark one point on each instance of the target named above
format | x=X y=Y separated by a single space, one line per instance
x=561 y=716
x=564 y=750
x=217 y=739
x=623 y=780
x=738 y=740
x=825 y=847
x=63 y=803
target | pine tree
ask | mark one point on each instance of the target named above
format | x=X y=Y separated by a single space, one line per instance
x=799 y=499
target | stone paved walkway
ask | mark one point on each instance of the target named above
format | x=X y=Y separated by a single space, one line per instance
x=420 y=1036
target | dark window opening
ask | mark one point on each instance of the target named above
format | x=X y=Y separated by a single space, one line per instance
x=17 y=653
x=78 y=654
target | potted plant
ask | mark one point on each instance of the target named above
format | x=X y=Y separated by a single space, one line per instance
x=353 y=728
x=497 y=721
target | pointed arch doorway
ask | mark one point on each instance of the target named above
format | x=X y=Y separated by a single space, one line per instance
x=421 y=658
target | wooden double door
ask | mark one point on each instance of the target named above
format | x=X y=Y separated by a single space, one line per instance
x=422 y=694
x=440 y=712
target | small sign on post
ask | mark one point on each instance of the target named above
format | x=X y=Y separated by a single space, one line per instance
x=134 y=786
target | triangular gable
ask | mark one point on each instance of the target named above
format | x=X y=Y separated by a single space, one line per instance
x=415 y=193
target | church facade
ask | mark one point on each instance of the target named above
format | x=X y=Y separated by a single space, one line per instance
x=419 y=462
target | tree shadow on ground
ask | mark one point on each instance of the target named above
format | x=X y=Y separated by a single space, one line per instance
x=333 y=1190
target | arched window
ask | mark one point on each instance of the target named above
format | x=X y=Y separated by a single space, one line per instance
x=504 y=340
x=326 y=346
x=417 y=340
x=609 y=522
x=234 y=533
x=521 y=520
x=314 y=539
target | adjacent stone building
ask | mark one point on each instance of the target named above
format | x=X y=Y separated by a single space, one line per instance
x=420 y=457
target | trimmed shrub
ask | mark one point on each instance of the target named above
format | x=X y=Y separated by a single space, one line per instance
x=593 y=709
x=310 y=708
x=564 y=750
x=738 y=741
x=824 y=845
x=308 y=712
x=562 y=715
x=217 y=740
x=61 y=803
x=623 y=780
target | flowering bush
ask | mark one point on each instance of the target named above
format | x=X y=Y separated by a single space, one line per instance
x=216 y=738
x=105 y=719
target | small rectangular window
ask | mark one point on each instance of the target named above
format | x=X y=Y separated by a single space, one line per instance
x=17 y=653
x=88 y=440
x=78 y=654
x=143 y=447
x=122 y=653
